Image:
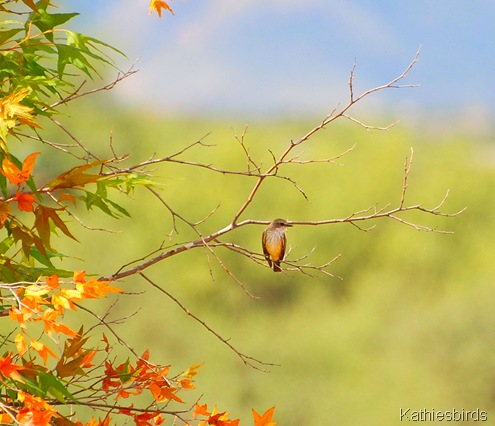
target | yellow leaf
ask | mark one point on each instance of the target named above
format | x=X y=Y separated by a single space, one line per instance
x=20 y=344
x=36 y=290
x=12 y=112
x=192 y=371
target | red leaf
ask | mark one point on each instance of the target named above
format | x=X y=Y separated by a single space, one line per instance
x=24 y=201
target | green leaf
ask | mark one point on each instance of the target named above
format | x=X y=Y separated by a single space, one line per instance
x=119 y=208
x=7 y=35
x=100 y=200
x=46 y=22
x=3 y=179
x=6 y=244
x=73 y=56
x=50 y=384
x=88 y=44
x=42 y=258
x=125 y=374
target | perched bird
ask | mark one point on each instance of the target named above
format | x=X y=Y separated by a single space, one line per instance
x=274 y=240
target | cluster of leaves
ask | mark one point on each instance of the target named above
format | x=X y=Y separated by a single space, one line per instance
x=47 y=368
x=80 y=376
x=31 y=87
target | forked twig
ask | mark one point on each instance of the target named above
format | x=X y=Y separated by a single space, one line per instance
x=246 y=359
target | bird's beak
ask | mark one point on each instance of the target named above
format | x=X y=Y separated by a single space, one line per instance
x=288 y=224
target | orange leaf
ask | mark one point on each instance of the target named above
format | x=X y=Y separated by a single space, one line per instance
x=43 y=350
x=49 y=318
x=107 y=344
x=186 y=384
x=4 y=212
x=5 y=418
x=88 y=358
x=158 y=5
x=62 y=328
x=94 y=422
x=24 y=201
x=12 y=172
x=201 y=410
x=94 y=289
x=265 y=419
x=164 y=393
x=35 y=411
x=67 y=197
x=8 y=369
x=76 y=177
x=20 y=315
x=52 y=282
x=80 y=276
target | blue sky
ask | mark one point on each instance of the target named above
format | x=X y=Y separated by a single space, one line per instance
x=272 y=57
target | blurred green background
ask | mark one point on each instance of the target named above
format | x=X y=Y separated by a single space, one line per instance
x=409 y=325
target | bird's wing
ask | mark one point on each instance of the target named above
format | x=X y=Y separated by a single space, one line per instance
x=282 y=250
x=265 y=251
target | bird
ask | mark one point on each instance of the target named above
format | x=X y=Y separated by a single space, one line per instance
x=274 y=240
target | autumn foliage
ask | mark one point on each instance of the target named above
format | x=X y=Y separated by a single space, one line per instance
x=48 y=369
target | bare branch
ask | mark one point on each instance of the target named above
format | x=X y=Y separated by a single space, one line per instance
x=369 y=127
x=79 y=94
x=246 y=359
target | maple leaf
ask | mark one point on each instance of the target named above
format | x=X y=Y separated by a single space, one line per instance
x=52 y=282
x=186 y=384
x=80 y=276
x=192 y=371
x=144 y=419
x=24 y=201
x=64 y=301
x=49 y=318
x=107 y=344
x=27 y=238
x=9 y=369
x=88 y=357
x=20 y=315
x=201 y=410
x=214 y=418
x=158 y=5
x=35 y=411
x=13 y=112
x=94 y=289
x=164 y=393
x=75 y=177
x=4 y=212
x=265 y=419
x=94 y=422
x=43 y=216
x=15 y=175
x=20 y=344
x=43 y=350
